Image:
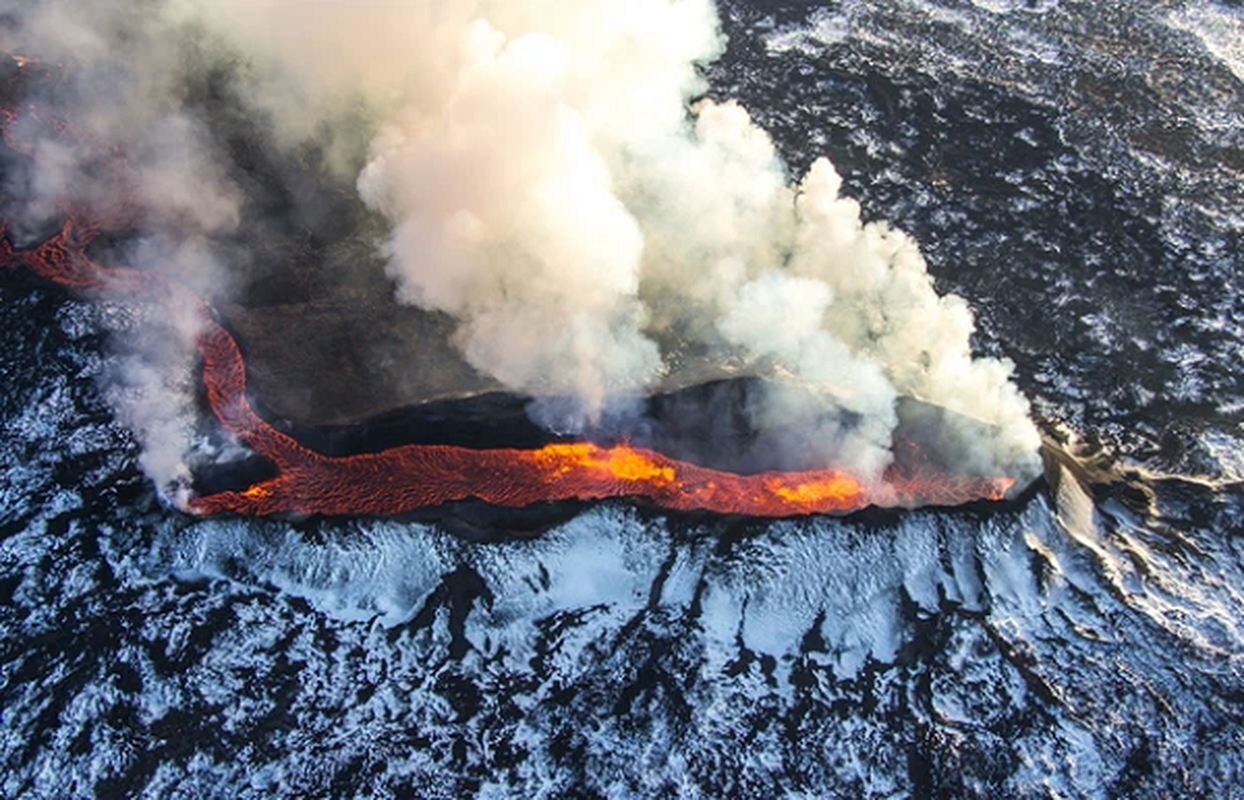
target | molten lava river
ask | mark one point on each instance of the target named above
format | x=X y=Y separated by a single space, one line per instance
x=401 y=479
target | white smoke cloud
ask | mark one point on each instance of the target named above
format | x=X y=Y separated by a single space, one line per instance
x=151 y=389
x=552 y=183
x=550 y=186
x=780 y=317
x=505 y=217
x=123 y=83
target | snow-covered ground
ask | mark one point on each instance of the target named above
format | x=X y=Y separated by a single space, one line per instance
x=1085 y=644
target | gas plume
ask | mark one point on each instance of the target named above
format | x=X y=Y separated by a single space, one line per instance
x=120 y=78
x=551 y=181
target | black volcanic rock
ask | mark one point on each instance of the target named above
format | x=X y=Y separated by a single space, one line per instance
x=712 y=424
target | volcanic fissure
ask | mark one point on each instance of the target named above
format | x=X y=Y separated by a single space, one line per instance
x=408 y=477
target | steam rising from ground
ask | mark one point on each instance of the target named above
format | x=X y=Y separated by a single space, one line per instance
x=552 y=183
x=127 y=85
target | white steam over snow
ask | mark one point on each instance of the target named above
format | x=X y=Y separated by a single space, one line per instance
x=553 y=185
x=125 y=85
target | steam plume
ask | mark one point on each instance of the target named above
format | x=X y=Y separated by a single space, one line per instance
x=550 y=182
x=128 y=84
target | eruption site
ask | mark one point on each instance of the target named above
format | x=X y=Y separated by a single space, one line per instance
x=402 y=479
x=547 y=177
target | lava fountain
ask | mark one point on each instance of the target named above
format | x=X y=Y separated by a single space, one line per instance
x=401 y=479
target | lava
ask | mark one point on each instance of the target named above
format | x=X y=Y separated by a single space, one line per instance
x=405 y=478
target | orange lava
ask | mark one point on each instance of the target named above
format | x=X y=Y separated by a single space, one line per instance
x=405 y=478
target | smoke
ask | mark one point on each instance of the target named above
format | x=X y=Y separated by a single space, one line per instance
x=779 y=316
x=127 y=82
x=150 y=384
x=551 y=182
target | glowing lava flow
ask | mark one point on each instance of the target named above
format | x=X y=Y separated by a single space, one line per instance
x=405 y=478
